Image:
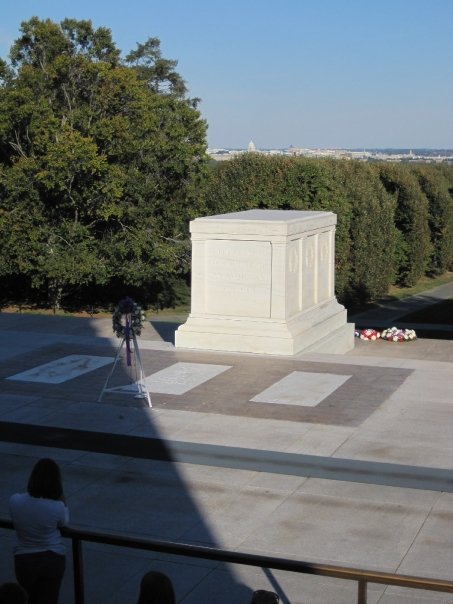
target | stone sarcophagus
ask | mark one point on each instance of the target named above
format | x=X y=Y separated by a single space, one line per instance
x=263 y=282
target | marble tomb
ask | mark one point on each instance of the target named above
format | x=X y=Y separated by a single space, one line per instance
x=263 y=282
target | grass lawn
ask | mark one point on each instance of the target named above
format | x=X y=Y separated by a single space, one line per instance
x=422 y=285
x=399 y=293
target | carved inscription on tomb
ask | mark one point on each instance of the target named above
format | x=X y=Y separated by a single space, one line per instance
x=238 y=278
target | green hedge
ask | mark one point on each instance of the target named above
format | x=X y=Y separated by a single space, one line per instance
x=371 y=261
x=395 y=221
x=436 y=182
x=413 y=248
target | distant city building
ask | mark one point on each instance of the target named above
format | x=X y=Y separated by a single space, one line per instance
x=428 y=156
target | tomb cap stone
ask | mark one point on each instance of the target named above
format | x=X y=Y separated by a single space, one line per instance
x=263 y=222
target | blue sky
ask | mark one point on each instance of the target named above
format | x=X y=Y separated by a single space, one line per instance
x=308 y=73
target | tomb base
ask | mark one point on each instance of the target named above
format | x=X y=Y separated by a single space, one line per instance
x=322 y=329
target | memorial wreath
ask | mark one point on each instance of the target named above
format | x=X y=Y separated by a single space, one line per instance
x=128 y=319
x=367 y=334
x=393 y=334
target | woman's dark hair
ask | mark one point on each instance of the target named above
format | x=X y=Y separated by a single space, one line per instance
x=262 y=596
x=45 y=480
x=156 y=588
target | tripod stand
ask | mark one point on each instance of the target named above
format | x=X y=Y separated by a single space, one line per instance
x=139 y=373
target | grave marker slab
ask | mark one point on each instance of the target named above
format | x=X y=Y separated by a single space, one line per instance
x=63 y=369
x=301 y=388
x=176 y=379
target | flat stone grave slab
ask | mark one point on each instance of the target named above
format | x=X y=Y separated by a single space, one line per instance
x=179 y=378
x=301 y=388
x=63 y=369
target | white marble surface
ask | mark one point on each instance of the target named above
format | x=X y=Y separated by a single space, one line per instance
x=263 y=222
x=63 y=369
x=256 y=278
x=238 y=278
x=176 y=379
x=301 y=388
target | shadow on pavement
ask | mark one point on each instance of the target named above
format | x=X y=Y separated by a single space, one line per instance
x=109 y=485
x=166 y=329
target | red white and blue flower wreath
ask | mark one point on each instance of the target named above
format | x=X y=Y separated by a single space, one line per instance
x=367 y=334
x=393 y=334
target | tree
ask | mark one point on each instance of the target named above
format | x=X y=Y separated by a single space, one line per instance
x=100 y=158
x=413 y=247
x=436 y=185
x=372 y=233
x=158 y=73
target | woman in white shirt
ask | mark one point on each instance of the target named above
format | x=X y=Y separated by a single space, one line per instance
x=39 y=552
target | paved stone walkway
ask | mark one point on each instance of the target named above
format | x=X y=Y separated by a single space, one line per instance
x=382 y=315
x=343 y=459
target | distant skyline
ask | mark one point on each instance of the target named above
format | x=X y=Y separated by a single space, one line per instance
x=308 y=73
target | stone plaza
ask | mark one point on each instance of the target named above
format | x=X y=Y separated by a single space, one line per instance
x=337 y=458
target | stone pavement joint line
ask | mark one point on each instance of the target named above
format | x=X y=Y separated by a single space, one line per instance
x=276 y=462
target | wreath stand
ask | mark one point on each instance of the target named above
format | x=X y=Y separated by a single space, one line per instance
x=139 y=373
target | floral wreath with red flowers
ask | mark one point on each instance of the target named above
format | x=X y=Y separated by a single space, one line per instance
x=367 y=334
x=393 y=334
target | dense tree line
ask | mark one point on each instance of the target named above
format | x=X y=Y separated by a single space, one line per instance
x=103 y=165
x=395 y=221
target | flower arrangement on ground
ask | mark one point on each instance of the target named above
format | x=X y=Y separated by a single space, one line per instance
x=367 y=334
x=394 y=334
x=128 y=319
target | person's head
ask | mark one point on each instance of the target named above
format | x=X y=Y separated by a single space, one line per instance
x=156 y=588
x=45 y=480
x=261 y=596
x=12 y=593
